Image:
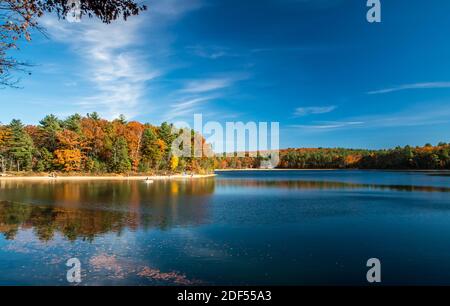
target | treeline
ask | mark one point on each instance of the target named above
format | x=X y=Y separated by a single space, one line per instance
x=428 y=157
x=91 y=144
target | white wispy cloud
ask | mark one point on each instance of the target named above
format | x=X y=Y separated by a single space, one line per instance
x=414 y=116
x=114 y=61
x=282 y=49
x=207 y=85
x=193 y=94
x=111 y=63
x=174 y=8
x=186 y=107
x=411 y=117
x=328 y=125
x=212 y=52
x=313 y=110
x=430 y=85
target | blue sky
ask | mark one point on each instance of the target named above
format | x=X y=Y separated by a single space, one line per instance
x=317 y=66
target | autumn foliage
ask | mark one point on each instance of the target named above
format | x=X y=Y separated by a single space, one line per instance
x=90 y=144
x=68 y=160
x=93 y=145
x=426 y=157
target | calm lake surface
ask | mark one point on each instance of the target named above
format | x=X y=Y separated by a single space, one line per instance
x=242 y=227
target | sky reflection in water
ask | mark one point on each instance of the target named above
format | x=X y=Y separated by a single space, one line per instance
x=299 y=227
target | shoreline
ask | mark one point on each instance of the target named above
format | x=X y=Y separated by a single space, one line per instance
x=335 y=169
x=105 y=178
x=181 y=176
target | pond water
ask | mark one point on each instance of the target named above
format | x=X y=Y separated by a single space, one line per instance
x=239 y=228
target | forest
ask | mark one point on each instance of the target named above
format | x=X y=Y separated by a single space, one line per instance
x=92 y=145
x=426 y=157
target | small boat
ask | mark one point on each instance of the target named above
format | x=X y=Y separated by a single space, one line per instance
x=148 y=181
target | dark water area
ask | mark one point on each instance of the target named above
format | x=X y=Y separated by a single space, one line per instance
x=239 y=228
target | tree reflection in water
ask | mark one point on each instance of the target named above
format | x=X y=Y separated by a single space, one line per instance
x=84 y=210
x=329 y=185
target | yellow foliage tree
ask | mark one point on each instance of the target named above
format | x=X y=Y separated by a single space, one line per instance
x=5 y=134
x=174 y=162
x=69 y=160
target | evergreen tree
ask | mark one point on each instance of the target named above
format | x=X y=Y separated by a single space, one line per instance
x=73 y=123
x=151 y=150
x=50 y=126
x=94 y=116
x=122 y=119
x=20 y=146
x=44 y=160
x=165 y=133
x=120 y=160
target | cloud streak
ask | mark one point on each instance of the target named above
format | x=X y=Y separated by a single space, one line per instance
x=211 y=84
x=114 y=63
x=195 y=93
x=186 y=107
x=430 y=85
x=313 y=110
x=211 y=53
x=207 y=85
x=328 y=125
x=409 y=118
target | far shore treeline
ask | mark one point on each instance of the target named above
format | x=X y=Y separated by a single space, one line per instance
x=426 y=157
x=93 y=145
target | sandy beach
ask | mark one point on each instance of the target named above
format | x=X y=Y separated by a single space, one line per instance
x=109 y=178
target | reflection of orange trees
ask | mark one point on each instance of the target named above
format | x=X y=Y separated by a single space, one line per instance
x=84 y=210
x=11 y=218
x=113 y=193
x=174 y=188
x=326 y=185
x=47 y=220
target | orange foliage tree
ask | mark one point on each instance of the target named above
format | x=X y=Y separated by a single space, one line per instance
x=68 y=160
x=4 y=136
x=133 y=136
x=68 y=140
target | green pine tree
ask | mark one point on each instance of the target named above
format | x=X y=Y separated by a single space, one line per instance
x=20 y=146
